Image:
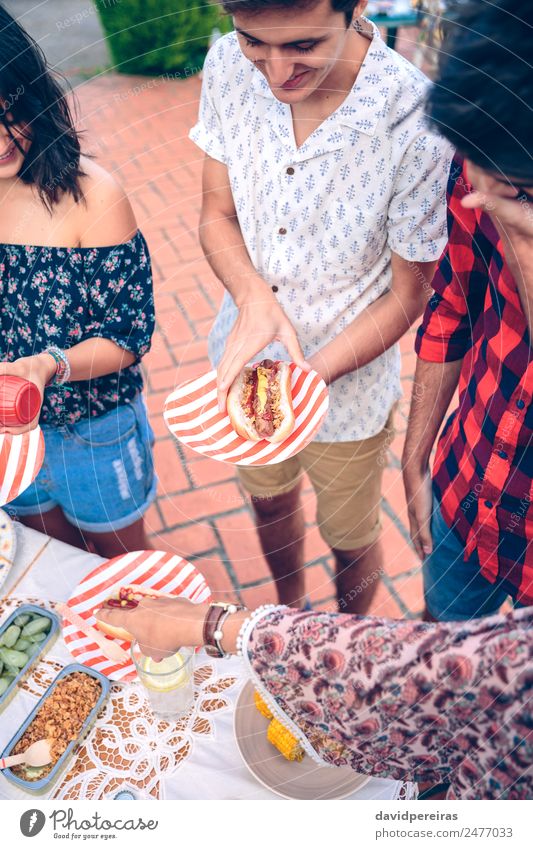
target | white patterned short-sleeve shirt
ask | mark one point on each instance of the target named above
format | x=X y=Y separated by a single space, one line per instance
x=320 y=221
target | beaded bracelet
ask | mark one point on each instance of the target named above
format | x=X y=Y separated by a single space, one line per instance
x=62 y=374
x=252 y=619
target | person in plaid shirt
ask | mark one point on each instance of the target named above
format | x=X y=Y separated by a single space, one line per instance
x=473 y=521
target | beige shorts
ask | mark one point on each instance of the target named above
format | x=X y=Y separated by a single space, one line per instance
x=346 y=477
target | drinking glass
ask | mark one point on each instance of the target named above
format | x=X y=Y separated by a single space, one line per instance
x=169 y=684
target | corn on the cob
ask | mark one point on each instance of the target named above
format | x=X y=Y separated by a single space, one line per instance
x=284 y=741
x=262 y=706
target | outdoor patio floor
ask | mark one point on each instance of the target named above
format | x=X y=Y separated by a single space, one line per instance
x=137 y=128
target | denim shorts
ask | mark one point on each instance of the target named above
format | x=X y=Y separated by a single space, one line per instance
x=99 y=471
x=454 y=589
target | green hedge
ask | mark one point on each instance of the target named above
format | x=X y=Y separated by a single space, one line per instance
x=158 y=36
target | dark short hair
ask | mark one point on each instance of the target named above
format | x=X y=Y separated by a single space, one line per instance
x=32 y=95
x=258 y=6
x=482 y=100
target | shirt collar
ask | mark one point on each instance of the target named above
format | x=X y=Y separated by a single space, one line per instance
x=364 y=105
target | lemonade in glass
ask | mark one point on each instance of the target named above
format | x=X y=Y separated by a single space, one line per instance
x=169 y=683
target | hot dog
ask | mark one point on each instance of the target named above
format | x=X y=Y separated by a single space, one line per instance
x=260 y=402
x=126 y=598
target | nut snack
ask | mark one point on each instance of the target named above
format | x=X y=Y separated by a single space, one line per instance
x=59 y=720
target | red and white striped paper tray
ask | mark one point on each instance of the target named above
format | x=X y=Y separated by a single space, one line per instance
x=21 y=457
x=156 y=570
x=193 y=417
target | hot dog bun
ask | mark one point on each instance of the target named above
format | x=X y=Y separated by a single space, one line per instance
x=111 y=631
x=239 y=420
x=243 y=424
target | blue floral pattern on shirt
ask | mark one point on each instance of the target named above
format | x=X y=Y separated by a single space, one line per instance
x=321 y=220
x=61 y=296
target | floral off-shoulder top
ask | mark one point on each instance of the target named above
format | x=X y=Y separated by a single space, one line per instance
x=442 y=702
x=61 y=296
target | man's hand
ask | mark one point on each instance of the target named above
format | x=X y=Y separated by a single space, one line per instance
x=511 y=212
x=261 y=320
x=419 y=495
x=39 y=370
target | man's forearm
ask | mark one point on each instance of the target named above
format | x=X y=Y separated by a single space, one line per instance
x=223 y=245
x=372 y=333
x=433 y=389
x=381 y=324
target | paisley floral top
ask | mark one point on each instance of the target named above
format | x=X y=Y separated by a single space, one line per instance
x=443 y=702
x=61 y=296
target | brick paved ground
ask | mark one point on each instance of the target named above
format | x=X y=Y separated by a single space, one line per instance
x=138 y=128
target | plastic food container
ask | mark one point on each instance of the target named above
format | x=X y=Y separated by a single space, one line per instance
x=37 y=652
x=42 y=784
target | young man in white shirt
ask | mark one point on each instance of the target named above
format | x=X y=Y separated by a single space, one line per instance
x=323 y=215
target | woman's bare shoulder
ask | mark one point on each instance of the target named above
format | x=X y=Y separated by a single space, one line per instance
x=106 y=216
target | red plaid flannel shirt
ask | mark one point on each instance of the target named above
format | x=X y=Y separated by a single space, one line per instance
x=483 y=471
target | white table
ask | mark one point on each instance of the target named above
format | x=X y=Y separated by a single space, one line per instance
x=128 y=748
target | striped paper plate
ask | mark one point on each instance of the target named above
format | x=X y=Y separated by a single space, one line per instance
x=8 y=541
x=192 y=416
x=21 y=457
x=157 y=570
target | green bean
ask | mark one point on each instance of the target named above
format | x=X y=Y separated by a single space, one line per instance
x=4 y=684
x=14 y=658
x=40 y=623
x=23 y=645
x=22 y=619
x=10 y=636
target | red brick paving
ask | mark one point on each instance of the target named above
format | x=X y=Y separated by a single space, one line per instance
x=138 y=129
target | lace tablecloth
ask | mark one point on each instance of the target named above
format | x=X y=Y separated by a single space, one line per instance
x=128 y=747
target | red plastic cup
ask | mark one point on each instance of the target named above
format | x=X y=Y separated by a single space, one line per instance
x=20 y=401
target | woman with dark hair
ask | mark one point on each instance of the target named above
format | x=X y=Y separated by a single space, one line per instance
x=77 y=312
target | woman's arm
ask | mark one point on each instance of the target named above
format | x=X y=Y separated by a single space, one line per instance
x=397 y=699
x=88 y=359
x=406 y=699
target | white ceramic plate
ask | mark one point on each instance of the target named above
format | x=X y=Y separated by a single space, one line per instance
x=292 y=780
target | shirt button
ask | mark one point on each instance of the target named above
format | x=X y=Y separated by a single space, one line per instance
x=520 y=404
x=275 y=289
x=489 y=504
x=290 y=171
x=282 y=231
